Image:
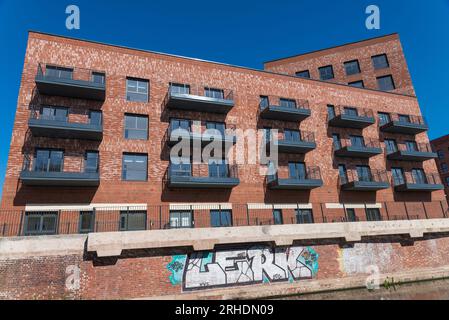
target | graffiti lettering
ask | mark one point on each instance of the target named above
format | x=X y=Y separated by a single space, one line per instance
x=256 y=264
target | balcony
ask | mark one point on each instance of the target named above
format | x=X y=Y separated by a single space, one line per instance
x=373 y=180
x=199 y=98
x=61 y=127
x=405 y=124
x=367 y=149
x=350 y=117
x=276 y=108
x=201 y=176
x=71 y=82
x=417 y=182
x=418 y=152
x=55 y=176
x=304 y=144
x=311 y=179
x=175 y=134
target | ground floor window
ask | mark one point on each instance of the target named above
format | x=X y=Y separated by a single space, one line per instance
x=350 y=215
x=277 y=216
x=181 y=219
x=304 y=216
x=40 y=223
x=220 y=218
x=87 y=220
x=373 y=214
x=133 y=220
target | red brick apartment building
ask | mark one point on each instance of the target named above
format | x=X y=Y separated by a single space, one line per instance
x=441 y=147
x=91 y=143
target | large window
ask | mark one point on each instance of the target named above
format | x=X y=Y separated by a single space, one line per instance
x=59 y=72
x=390 y=145
x=183 y=124
x=134 y=167
x=98 y=77
x=419 y=177
x=136 y=90
x=357 y=84
x=385 y=83
x=178 y=88
x=218 y=168
x=303 y=216
x=398 y=176
x=351 y=111
x=287 y=103
x=380 y=61
x=49 y=160
x=91 y=161
x=350 y=215
x=352 y=67
x=87 y=220
x=292 y=135
x=364 y=173
x=303 y=74
x=214 y=93
x=326 y=73
x=220 y=218
x=216 y=126
x=373 y=214
x=357 y=141
x=54 y=113
x=342 y=173
x=384 y=118
x=136 y=127
x=181 y=219
x=133 y=220
x=336 y=141
x=411 y=146
x=277 y=216
x=181 y=168
x=95 y=117
x=38 y=223
x=297 y=170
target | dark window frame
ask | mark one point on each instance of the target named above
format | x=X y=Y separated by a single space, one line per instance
x=348 y=65
x=380 y=83
x=299 y=74
x=328 y=75
x=137 y=93
x=123 y=165
x=126 y=131
x=384 y=66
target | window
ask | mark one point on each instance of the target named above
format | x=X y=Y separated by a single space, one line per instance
x=218 y=168
x=216 y=126
x=134 y=167
x=303 y=216
x=352 y=67
x=364 y=173
x=136 y=90
x=297 y=170
x=350 y=215
x=330 y=111
x=357 y=84
x=351 y=111
x=98 y=77
x=181 y=167
x=303 y=74
x=177 y=88
x=54 y=113
x=39 y=223
x=380 y=61
x=357 y=141
x=292 y=135
x=326 y=73
x=390 y=145
x=336 y=141
x=91 y=162
x=277 y=216
x=419 y=177
x=440 y=154
x=59 y=72
x=133 y=220
x=181 y=219
x=404 y=118
x=384 y=118
x=264 y=102
x=87 y=220
x=267 y=134
x=220 y=218
x=385 y=83
x=183 y=124
x=136 y=127
x=49 y=160
x=373 y=214
x=444 y=167
x=342 y=173
x=214 y=93
x=411 y=146
x=447 y=181
x=287 y=103
x=398 y=176
x=95 y=117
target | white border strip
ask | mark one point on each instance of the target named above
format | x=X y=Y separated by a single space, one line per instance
x=262 y=206
x=87 y=207
x=353 y=206
x=200 y=206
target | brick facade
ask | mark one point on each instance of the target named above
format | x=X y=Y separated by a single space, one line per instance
x=441 y=146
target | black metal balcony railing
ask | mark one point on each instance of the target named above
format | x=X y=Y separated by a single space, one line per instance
x=289 y=144
x=60 y=126
x=197 y=97
x=364 y=180
x=307 y=180
x=350 y=117
x=417 y=181
x=159 y=217
x=277 y=108
x=83 y=173
x=365 y=149
x=411 y=152
x=406 y=124
x=71 y=82
x=198 y=176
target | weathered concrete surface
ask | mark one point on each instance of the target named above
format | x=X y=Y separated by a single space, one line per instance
x=112 y=243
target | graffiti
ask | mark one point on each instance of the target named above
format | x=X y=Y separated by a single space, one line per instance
x=257 y=264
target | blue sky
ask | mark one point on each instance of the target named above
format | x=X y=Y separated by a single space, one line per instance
x=240 y=32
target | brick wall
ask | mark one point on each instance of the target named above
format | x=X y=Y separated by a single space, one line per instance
x=442 y=145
